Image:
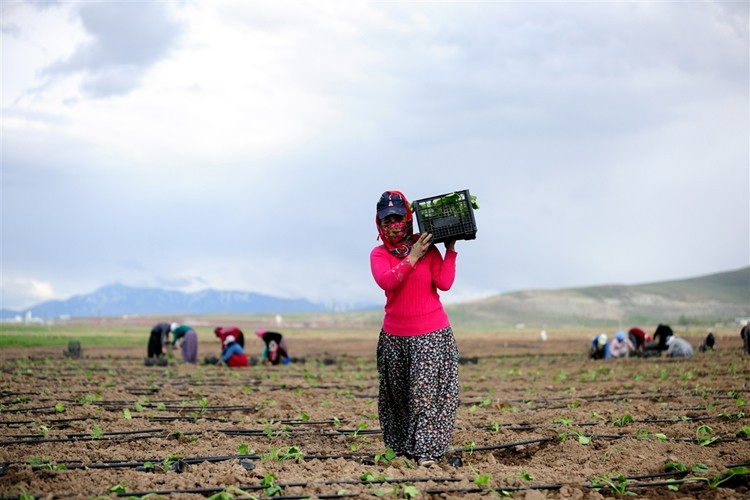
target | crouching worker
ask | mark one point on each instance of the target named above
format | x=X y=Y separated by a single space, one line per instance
x=678 y=347
x=709 y=343
x=158 y=340
x=600 y=347
x=233 y=354
x=659 y=342
x=222 y=332
x=622 y=346
x=188 y=340
x=276 y=351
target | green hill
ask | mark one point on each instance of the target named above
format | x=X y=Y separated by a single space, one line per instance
x=717 y=298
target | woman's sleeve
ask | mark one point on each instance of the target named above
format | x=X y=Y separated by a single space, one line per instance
x=387 y=277
x=443 y=269
x=226 y=354
x=231 y=350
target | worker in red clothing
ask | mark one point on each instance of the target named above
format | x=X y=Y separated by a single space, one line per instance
x=638 y=338
x=233 y=354
x=222 y=332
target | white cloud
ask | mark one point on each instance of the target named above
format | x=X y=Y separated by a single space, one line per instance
x=23 y=292
x=248 y=150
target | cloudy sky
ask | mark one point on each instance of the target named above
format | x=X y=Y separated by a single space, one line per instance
x=243 y=145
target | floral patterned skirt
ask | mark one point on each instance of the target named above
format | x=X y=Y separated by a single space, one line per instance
x=418 y=397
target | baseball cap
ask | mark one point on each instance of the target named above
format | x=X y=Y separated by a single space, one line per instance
x=390 y=204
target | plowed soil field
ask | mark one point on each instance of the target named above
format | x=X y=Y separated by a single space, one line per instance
x=537 y=420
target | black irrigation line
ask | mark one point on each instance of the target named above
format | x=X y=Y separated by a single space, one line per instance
x=54 y=422
x=360 y=458
x=600 y=397
x=108 y=436
x=211 y=491
x=432 y=491
x=28 y=439
x=529 y=427
x=504 y=445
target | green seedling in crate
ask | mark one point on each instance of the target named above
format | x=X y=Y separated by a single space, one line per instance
x=450 y=200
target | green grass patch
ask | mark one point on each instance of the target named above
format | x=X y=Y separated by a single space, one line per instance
x=12 y=335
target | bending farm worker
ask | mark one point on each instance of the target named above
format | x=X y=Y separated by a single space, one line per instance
x=275 y=351
x=233 y=353
x=188 y=340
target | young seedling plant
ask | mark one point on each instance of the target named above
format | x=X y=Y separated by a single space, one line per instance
x=270 y=488
x=386 y=457
x=231 y=493
x=704 y=435
x=619 y=485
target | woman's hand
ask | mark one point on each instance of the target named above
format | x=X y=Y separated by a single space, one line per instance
x=420 y=247
x=450 y=245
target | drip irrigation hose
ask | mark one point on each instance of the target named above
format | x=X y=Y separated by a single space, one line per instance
x=61 y=421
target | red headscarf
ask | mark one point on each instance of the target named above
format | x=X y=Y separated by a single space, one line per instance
x=400 y=238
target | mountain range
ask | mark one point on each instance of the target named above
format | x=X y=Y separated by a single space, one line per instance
x=716 y=298
x=120 y=300
x=722 y=298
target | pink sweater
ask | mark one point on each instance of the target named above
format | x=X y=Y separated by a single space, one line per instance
x=412 y=305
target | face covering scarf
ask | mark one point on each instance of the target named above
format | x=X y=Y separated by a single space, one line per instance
x=398 y=237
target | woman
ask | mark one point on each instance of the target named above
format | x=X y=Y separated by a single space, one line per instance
x=233 y=354
x=158 y=339
x=275 y=350
x=417 y=356
x=188 y=342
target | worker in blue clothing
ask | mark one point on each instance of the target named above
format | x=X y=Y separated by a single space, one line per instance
x=600 y=347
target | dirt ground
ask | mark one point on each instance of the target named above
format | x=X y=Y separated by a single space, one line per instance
x=538 y=420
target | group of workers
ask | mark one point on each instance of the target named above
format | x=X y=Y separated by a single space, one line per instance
x=637 y=342
x=275 y=350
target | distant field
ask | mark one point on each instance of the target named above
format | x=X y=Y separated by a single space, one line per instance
x=320 y=336
x=12 y=335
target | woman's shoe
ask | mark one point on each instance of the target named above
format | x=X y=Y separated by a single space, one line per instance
x=425 y=462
